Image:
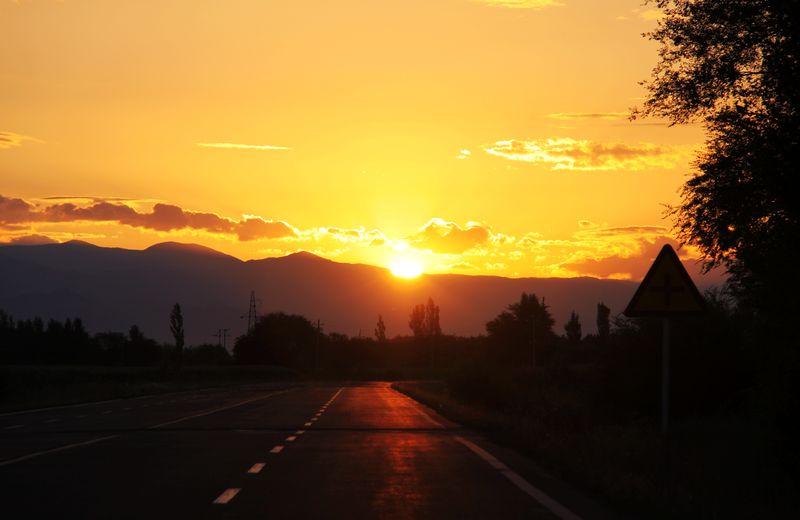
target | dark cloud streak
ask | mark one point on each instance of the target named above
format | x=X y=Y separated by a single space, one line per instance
x=163 y=217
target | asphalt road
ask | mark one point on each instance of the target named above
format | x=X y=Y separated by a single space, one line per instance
x=313 y=451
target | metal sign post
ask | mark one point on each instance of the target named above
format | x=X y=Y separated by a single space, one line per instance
x=666 y=291
x=665 y=377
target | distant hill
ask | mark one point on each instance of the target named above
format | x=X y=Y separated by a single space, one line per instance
x=112 y=288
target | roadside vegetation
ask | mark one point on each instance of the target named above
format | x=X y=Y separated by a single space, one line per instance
x=584 y=406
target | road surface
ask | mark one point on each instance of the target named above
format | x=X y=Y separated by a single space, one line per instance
x=310 y=451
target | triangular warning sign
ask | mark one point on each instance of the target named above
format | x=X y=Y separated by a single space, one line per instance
x=666 y=290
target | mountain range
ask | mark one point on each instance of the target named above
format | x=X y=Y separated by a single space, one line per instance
x=111 y=289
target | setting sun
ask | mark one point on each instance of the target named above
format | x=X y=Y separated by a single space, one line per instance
x=405 y=268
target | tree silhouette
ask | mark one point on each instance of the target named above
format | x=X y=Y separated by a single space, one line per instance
x=416 y=321
x=380 y=330
x=573 y=328
x=176 y=327
x=523 y=333
x=278 y=339
x=735 y=66
x=603 y=324
x=432 y=326
x=424 y=320
x=139 y=349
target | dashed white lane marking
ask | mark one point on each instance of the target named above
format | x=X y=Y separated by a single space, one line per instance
x=227 y=496
x=106 y=412
x=291 y=438
x=256 y=468
x=335 y=395
x=529 y=489
x=307 y=424
x=127 y=408
x=13 y=426
x=299 y=432
x=215 y=410
x=99 y=439
x=55 y=450
x=313 y=419
x=276 y=449
x=80 y=416
x=48 y=421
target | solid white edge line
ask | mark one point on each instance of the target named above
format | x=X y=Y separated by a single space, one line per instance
x=419 y=408
x=227 y=496
x=528 y=488
x=215 y=410
x=55 y=450
x=256 y=468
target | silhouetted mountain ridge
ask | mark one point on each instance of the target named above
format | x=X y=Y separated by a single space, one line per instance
x=113 y=288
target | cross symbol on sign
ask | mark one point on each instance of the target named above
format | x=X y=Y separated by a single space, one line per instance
x=668 y=289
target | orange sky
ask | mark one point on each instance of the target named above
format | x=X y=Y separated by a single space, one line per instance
x=477 y=137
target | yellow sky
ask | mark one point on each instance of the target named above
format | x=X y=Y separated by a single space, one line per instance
x=478 y=137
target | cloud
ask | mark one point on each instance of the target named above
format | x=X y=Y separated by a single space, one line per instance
x=564 y=153
x=521 y=4
x=12 y=140
x=591 y=249
x=238 y=146
x=632 y=266
x=651 y=14
x=631 y=231
x=257 y=228
x=605 y=116
x=31 y=240
x=162 y=217
x=440 y=236
x=15 y=211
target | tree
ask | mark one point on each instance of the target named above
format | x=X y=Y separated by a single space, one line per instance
x=734 y=66
x=573 y=329
x=603 y=324
x=432 y=327
x=523 y=333
x=424 y=320
x=278 y=339
x=139 y=349
x=176 y=327
x=380 y=330
x=416 y=321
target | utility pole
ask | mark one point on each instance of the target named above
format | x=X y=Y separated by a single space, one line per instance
x=222 y=338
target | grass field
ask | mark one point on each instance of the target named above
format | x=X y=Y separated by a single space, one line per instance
x=719 y=467
x=25 y=387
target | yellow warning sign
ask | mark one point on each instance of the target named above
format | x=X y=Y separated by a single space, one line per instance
x=666 y=290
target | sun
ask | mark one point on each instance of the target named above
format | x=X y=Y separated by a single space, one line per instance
x=405 y=268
